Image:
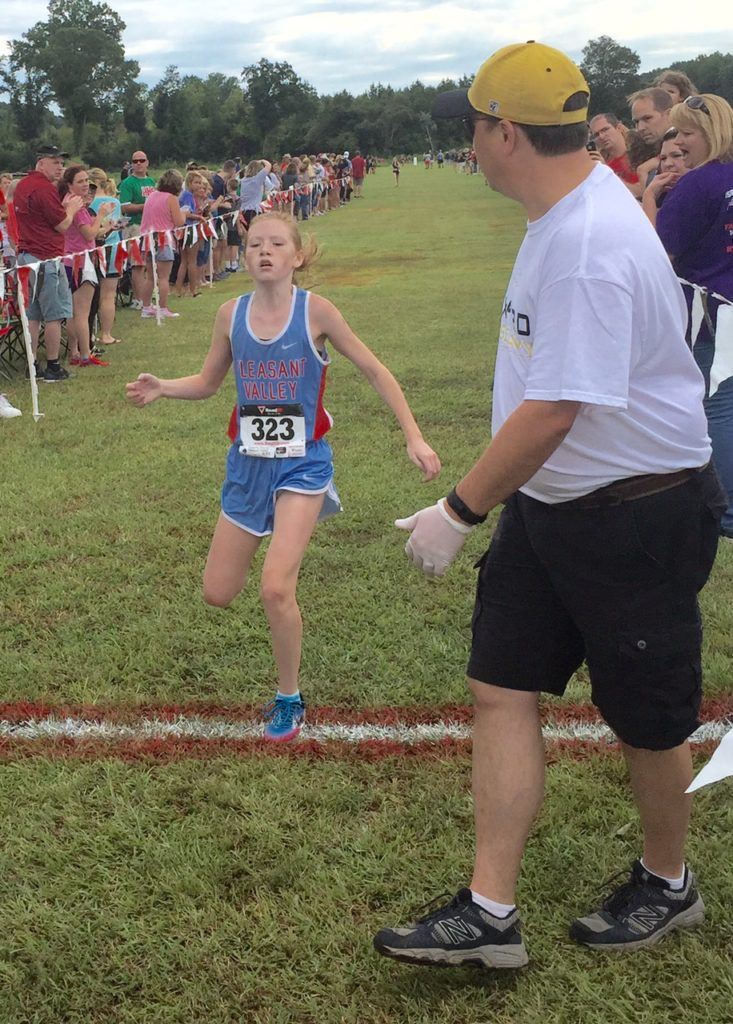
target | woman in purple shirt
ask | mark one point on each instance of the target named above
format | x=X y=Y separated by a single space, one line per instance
x=695 y=224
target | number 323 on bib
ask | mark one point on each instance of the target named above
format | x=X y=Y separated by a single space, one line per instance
x=272 y=431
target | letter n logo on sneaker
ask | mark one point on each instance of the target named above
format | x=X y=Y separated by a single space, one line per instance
x=455 y=931
x=645 y=919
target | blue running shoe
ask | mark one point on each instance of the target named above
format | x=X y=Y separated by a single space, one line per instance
x=284 y=717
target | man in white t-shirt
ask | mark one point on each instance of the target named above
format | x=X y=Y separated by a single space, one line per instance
x=609 y=529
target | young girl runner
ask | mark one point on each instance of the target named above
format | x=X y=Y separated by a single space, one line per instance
x=279 y=477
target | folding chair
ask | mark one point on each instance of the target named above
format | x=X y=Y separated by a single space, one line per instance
x=12 y=345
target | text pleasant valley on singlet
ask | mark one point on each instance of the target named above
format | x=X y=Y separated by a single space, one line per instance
x=271 y=379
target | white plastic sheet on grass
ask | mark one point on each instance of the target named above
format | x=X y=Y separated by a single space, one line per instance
x=720 y=765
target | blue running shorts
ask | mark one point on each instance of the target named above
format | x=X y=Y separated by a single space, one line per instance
x=253 y=484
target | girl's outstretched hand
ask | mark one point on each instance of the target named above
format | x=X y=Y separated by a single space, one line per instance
x=424 y=458
x=144 y=390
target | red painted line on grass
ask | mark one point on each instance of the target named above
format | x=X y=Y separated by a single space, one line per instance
x=164 y=751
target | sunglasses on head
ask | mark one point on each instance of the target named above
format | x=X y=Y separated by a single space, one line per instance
x=697 y=103
x=671 y=133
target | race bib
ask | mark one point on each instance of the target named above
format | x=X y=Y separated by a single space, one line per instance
x=272 y=431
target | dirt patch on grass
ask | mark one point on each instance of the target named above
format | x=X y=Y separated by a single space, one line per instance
x=348 y=278
x=370 y=268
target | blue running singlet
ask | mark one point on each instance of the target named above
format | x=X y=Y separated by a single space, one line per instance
x=285 y=370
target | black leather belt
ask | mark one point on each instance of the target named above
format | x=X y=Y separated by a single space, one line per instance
x=631 y=488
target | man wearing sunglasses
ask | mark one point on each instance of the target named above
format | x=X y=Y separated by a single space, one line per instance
x=133 y=192
x=609 y=528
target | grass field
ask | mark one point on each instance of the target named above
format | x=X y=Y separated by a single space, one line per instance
x=246 y=889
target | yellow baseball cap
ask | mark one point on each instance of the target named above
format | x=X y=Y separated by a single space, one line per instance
x=528 y=83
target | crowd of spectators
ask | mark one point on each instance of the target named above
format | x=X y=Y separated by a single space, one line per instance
x=63 y=218
x=677 y=160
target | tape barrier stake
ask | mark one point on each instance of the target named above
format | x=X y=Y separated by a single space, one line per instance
x=210 y=282
x=37 y=414
x=156 y=291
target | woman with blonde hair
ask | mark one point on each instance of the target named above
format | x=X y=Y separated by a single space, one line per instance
x=694 y=225
x=187 y=267
x=106 y=193
x=206 y=207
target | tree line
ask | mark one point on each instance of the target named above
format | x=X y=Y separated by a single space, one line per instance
x=68 y=81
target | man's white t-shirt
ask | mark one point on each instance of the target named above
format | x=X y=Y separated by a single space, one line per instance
x=594 y=314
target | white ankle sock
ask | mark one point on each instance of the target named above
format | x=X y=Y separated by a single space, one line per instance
x=494 y=908
x=673 y=883
x=289 y=696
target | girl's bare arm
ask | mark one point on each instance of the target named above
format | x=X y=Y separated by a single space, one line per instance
x=147 y=388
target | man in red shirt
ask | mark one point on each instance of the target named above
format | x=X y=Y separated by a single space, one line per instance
x=358 y=170
x=611 y=142
x=42 y=220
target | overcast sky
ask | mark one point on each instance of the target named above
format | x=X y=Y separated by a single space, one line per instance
x=349 y=44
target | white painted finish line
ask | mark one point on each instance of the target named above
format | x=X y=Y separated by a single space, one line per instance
x=197 y=728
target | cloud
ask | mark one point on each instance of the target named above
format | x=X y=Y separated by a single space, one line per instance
x=343 y=44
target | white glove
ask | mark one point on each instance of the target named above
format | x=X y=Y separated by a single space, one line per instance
x=435 y=538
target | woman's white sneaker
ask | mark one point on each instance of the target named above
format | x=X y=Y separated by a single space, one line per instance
x=8 y=411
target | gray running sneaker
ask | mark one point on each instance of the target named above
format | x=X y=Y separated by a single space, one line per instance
x=459 y=933
x=640 y=913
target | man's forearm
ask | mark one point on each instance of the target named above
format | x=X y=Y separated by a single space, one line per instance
x=65 y=224
x=525 y=442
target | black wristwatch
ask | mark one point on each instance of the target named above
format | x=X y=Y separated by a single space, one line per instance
x=462 y=510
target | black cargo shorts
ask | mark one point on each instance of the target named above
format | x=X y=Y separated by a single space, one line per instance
x=612 y=583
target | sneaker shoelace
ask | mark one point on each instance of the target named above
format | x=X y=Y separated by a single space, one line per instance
x=281 y=712
x=453 y=901
x=628 y=896
x=623 y=899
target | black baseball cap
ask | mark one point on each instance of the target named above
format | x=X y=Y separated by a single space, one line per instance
x=52 y=151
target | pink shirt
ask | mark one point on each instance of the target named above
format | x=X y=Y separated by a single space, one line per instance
x=156 y=212
x=74 y=241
